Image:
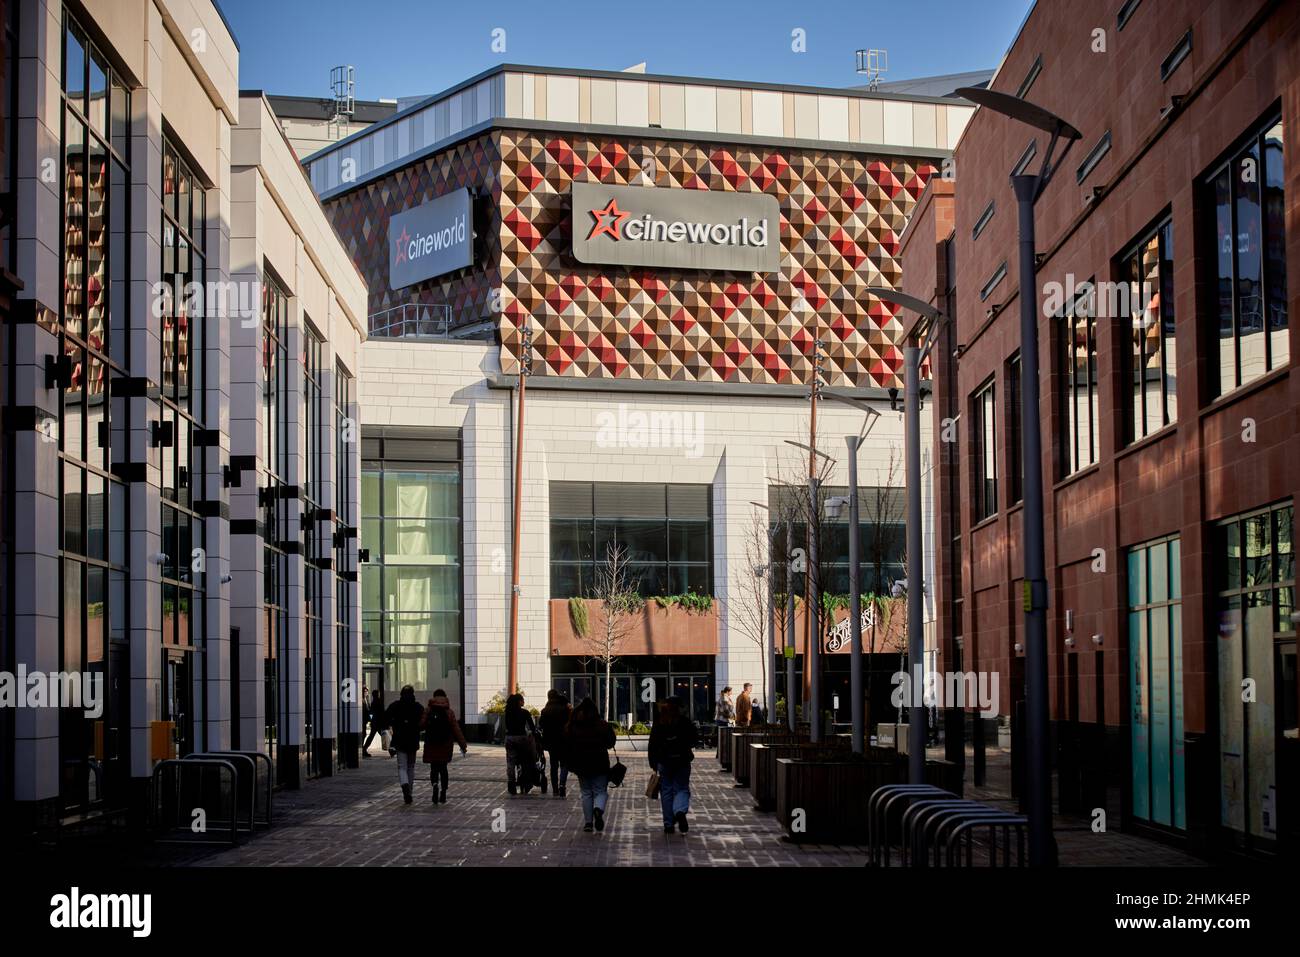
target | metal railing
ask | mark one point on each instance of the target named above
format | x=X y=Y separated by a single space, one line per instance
x=412 y=320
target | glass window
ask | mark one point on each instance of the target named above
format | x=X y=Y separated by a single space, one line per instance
x=1156 y=684
x=1079 y=398
x=1256 y=587
x=1151 y=398
x=1248 y=197
x=984 y=448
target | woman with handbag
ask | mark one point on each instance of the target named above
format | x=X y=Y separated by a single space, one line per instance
x=672 y=744
x=587 y=741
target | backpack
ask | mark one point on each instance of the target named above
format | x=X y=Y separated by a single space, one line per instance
x=438 y=726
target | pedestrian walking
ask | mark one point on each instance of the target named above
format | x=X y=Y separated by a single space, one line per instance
x=587 y=741
x=745 y=706
x=553 y=721
x=672 y=744
x=756 y=715
x=375 y=715
x=404 y=719
x=441 y=729
x=726 y=710
x=521 y=746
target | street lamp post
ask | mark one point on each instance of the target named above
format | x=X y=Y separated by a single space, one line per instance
x=812 y=596
x=1028 y=187
x=924 y=326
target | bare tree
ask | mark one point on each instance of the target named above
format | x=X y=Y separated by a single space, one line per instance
x=883 y=514
x=614 y=588
x=750 y=613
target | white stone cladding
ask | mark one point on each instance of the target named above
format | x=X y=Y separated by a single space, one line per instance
x=742 y=445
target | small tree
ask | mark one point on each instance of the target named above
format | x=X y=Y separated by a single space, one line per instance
x=750 y=613
x=619 y=603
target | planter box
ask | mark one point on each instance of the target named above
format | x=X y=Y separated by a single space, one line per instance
x=742 y=738
x=654 y=630
x=832 y=794
x=762 y=766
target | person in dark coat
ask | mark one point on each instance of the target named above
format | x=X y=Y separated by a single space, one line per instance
x=441 y=729
x=554 y=719
x=521 y=746
x=404 y=718
x=672 y=743
x=375 y=715
x=587 y=741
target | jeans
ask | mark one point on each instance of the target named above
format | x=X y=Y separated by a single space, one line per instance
x=438 y=774
x=520 y=751
x=406 y=768
x=674 y=789
x=595 y=792
x=559 y=773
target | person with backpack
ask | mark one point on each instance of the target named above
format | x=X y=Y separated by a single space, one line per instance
x=587 y=740
x=672 y=743
x=404 y=718
x=554 y=720
x=375 y=715
x=521 y=748
x=440 y=729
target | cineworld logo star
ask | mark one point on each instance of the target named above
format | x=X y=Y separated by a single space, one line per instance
x=609 y=221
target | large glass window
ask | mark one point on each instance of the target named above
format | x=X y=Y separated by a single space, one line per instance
x=1248 y=198
x=1254 y=561
x=1155 y=641
x=1079 y=398
x=984 y=450
x=1015 y=446
x=666 y=530
x=344 y=528
x=92 y=340
x=1151 y=398
x=274 y=518
x=316 y=574
x=411 y=586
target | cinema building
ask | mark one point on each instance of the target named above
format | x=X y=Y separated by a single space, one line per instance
x=1169 y=405
x=180 y=357
x=687 y=255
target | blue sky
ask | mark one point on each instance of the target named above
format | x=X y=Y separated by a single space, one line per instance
x=413 y=47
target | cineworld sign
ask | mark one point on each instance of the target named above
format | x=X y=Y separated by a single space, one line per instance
x=676 y=228
x=431 y=240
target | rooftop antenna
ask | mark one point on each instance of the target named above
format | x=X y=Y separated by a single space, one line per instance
x=871 y=64
x=341 y=84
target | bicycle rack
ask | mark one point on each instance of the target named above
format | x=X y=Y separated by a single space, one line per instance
x=177 y=788
x=260 y=791
x=879 y=806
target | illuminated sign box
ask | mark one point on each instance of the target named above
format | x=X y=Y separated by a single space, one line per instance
x=676 y=228
x=431 y=240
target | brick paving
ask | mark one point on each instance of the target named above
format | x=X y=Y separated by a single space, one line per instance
x=357 y=817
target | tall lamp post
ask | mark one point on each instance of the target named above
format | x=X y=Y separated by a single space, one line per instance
x=924 y=326
x=525 y=361
x=1028 y=187
x=812 y=595
x=854 y=443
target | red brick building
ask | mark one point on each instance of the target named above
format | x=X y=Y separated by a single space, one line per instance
x=1169 y=400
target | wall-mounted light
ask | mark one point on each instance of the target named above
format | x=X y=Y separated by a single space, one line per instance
x=1069 y=619
x=1019 y=647
x=1069 y=642
x=1096 y=639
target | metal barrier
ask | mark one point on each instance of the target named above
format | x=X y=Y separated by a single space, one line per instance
x=262 y=784
x=879 y=807
x=179 y=787
x=935 y=826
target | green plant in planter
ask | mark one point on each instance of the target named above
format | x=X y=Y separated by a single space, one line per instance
x=691 y=602
x=578 y=616
x=497 y=705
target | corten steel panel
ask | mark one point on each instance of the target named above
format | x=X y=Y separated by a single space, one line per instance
x=841 y=216
x=651 y=631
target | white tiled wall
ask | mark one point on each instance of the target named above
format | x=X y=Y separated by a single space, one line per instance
x=741 y=446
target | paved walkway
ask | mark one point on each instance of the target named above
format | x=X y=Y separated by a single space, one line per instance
x=358 y=818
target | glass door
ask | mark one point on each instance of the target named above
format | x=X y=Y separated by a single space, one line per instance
x=176 y=700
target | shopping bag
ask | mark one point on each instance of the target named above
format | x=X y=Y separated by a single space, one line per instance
x=652 y=786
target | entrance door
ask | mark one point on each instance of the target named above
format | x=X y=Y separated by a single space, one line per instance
x=701 y=698
x=656 y=690
x=177 y=696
